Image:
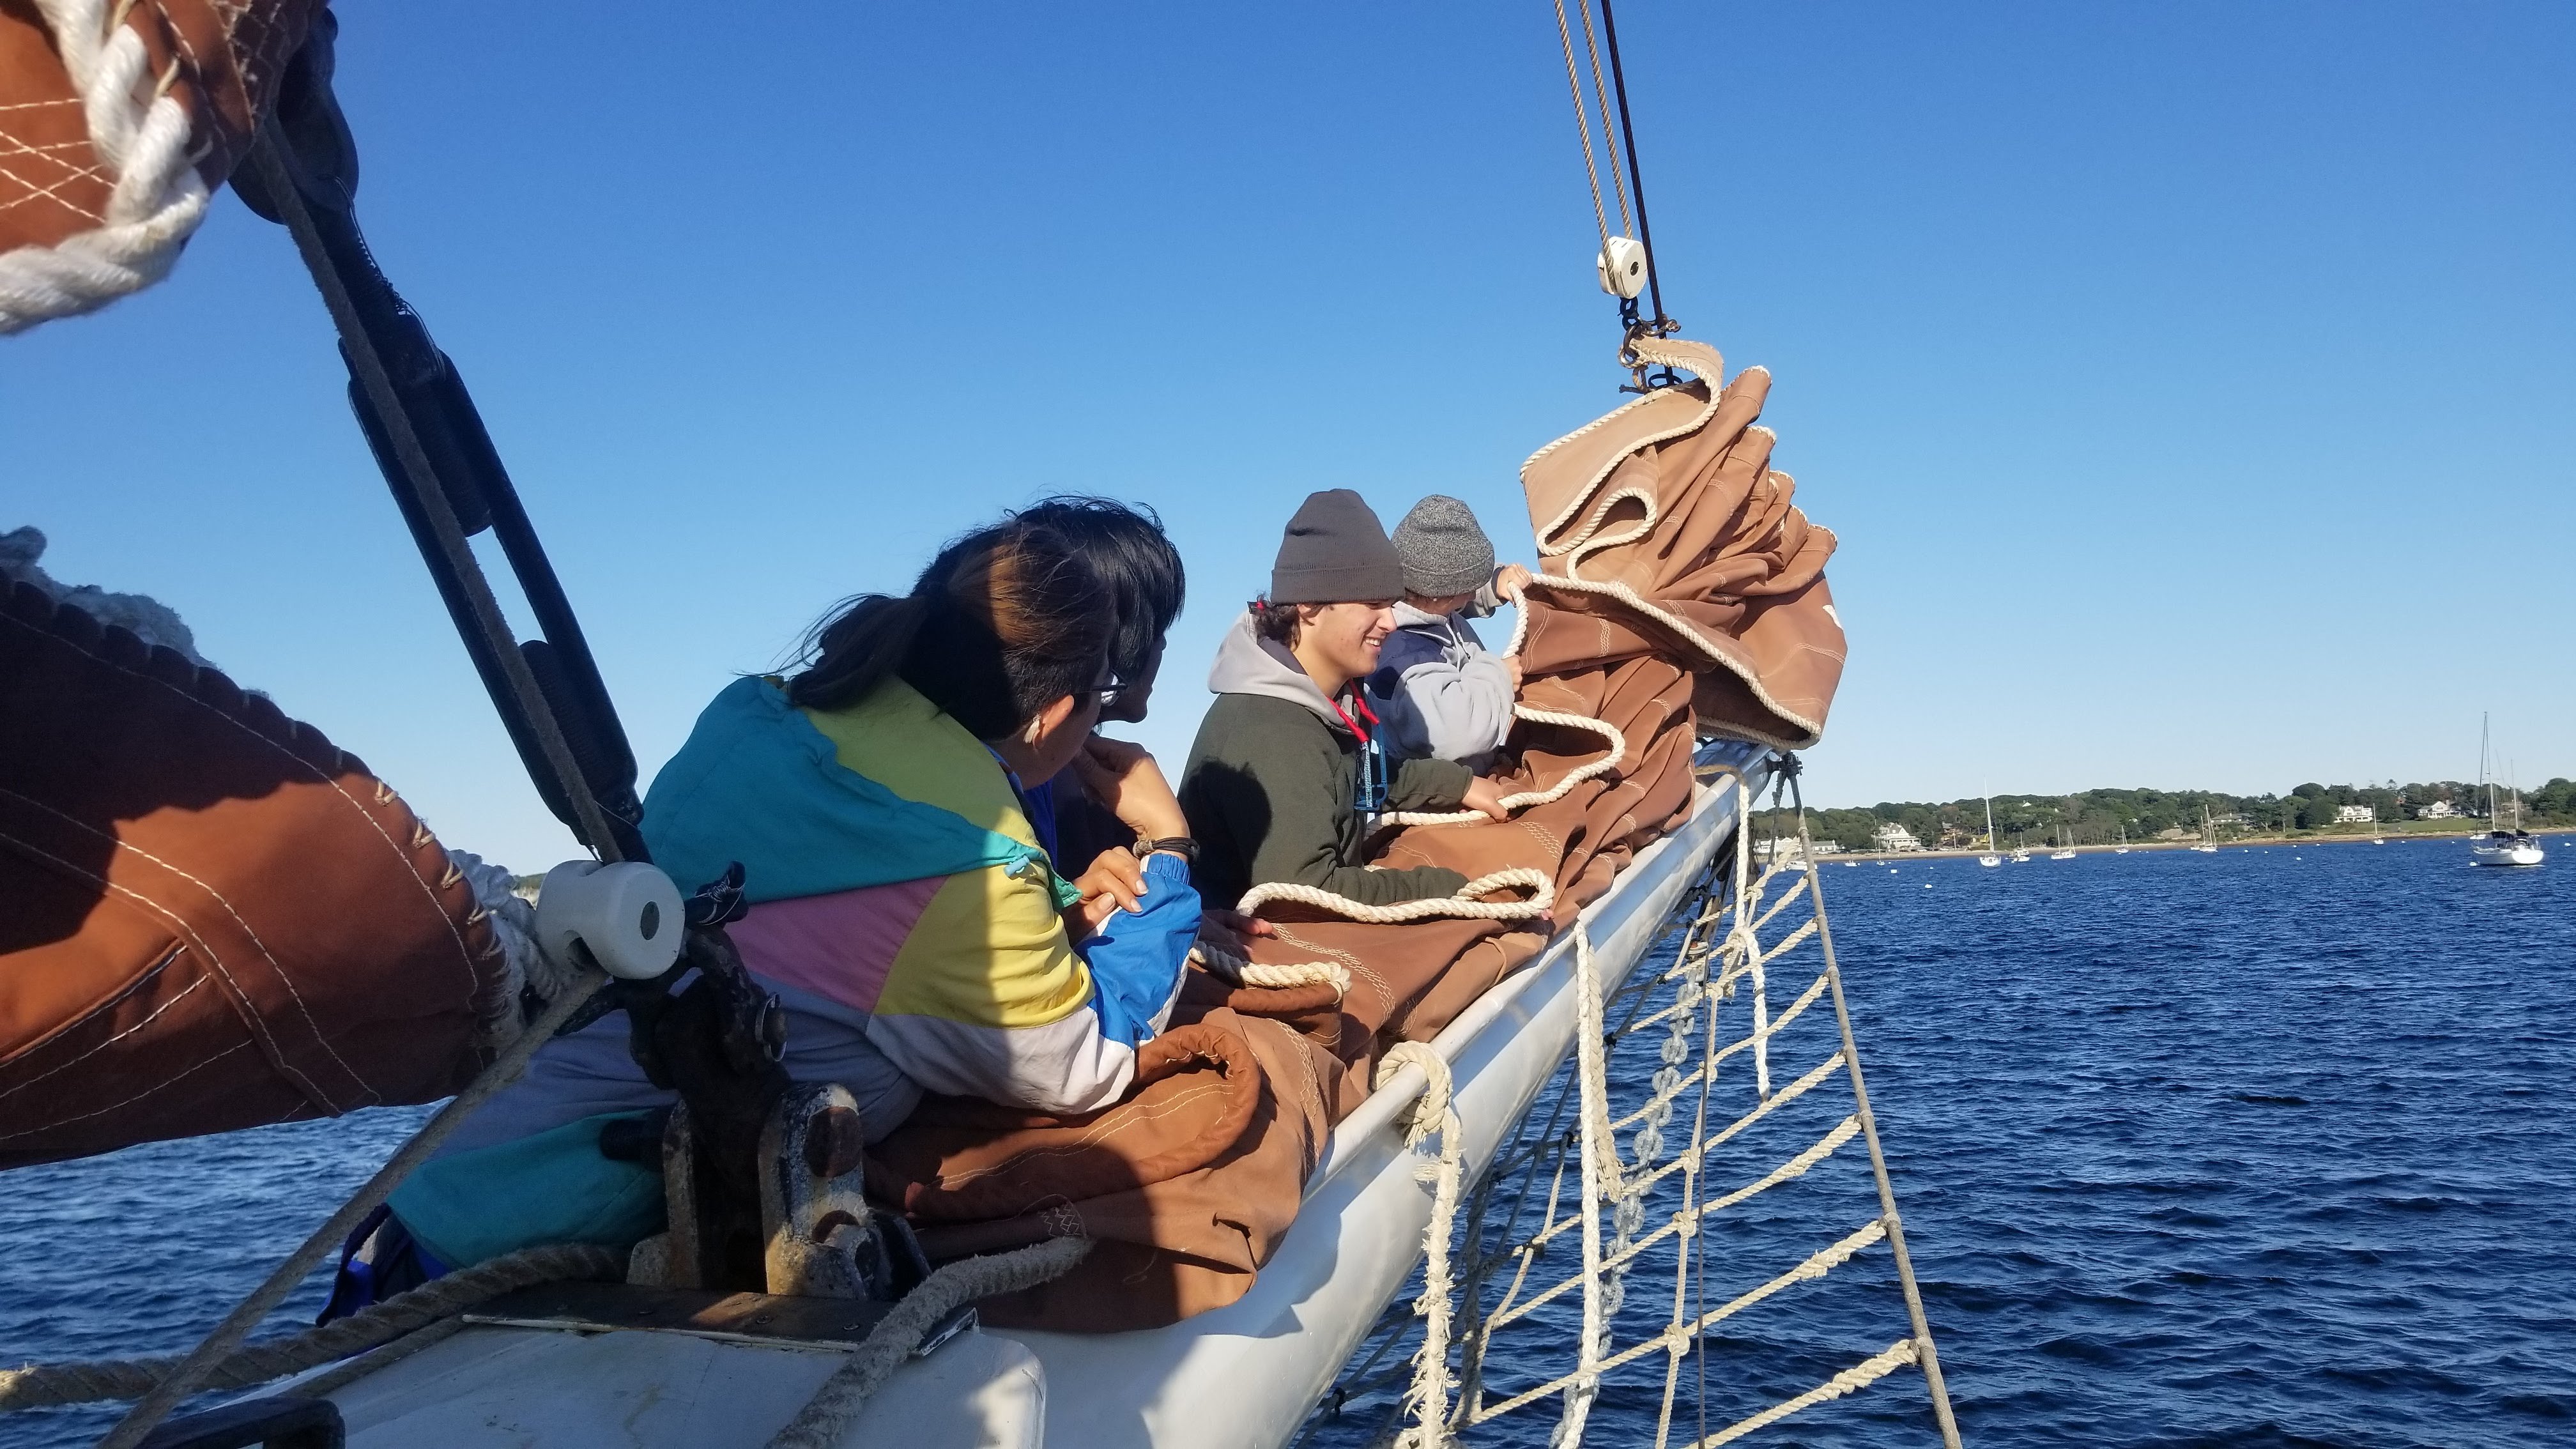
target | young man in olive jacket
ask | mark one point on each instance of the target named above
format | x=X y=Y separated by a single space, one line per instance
x=1287 y=772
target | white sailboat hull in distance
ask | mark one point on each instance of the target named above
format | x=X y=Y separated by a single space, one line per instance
x=1990 y=860
x=2502 y=849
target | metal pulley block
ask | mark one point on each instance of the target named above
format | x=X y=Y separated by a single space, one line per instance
x=1621 y=267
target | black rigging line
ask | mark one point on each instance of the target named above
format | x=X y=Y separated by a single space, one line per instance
x=1662 y=325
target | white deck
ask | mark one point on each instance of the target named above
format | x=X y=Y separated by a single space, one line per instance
x=1241 y=1377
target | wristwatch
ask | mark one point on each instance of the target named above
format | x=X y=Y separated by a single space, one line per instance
x=1180 y=845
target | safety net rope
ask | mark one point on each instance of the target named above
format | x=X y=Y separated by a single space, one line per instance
x=1641 y=1159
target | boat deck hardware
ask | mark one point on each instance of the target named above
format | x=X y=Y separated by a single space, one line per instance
x=286 y=1422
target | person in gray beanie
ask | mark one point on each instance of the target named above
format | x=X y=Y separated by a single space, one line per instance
x=1290 y=767
x=1442 y=694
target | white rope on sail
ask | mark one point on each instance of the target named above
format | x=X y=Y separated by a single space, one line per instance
x=1465 y=905
x=141 y=134
x=1226 y=966
x=1611 y=759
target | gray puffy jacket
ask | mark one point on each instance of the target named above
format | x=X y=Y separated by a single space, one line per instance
x=1441 y=694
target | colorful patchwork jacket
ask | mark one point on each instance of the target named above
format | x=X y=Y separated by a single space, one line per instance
x=893 y=872
x=905 y=915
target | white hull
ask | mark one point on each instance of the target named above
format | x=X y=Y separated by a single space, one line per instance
x=2518 y=853
x=1243 y=1376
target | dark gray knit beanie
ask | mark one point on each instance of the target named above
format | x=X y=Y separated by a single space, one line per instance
x=1443 y=552
x=1335 y=552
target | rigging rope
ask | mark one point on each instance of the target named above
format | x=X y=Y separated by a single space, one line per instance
x=42 y=1386
x=190 y=1372
x=1428 y=1397
x=828 y=1414
x=1583 y=118
x=1721 y=927
x=1660 y=325
x=1601 y=94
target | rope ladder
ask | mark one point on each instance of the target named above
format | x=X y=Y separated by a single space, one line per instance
x=1671 y=1133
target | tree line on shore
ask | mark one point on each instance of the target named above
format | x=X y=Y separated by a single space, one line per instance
x=2101 y=817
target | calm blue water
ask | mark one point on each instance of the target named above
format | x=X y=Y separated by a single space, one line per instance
x=2267 y=1148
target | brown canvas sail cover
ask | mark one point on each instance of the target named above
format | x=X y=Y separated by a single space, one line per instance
x=1684 y=595
x=213 y=917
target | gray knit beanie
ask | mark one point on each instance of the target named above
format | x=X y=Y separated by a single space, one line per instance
x=1335 y=552
x=1443 y=551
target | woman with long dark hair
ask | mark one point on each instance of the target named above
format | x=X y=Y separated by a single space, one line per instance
x=902 y=907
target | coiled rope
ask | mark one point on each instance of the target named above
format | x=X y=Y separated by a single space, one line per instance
x=138 y=131
x=44 y=1386
x=828 y=1414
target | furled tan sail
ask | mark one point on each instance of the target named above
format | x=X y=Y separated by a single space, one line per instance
x=1665 y=530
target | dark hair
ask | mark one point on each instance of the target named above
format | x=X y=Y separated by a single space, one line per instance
x=1275 y=621
x=1004 y=622
x=1125 y=546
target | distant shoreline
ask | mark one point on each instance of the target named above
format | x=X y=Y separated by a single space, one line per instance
x=2041 y=852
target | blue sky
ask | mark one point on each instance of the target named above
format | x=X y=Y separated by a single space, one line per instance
x=2189 y=385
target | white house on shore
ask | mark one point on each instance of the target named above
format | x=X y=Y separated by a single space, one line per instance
x=2354 y=815
x=1893 y=836
x=2437 y=810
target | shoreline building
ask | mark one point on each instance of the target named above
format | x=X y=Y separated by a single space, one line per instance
x=1892 y=836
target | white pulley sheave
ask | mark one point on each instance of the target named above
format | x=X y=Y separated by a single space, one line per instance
x=628 y=914
x=1622 y=267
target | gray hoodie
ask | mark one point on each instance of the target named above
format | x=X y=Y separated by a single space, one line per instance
x=1442 y=694
x=1271 y=785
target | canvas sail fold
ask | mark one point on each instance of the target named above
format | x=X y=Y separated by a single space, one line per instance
x=215 y=917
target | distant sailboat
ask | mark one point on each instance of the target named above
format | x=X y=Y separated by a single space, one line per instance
x=1990 y=858
x=2501 y=847
x=2064 y=841
x=2377 y=837
x=2208 y=834
x=2123 y=847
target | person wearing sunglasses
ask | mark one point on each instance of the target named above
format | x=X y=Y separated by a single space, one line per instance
x=1288 y=772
